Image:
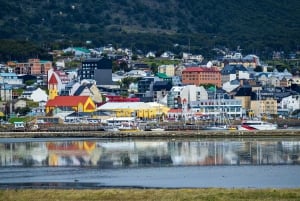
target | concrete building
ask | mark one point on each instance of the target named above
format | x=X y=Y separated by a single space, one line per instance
x=32 y=67
x=263 y=107
x=168 y=70
x=291 y=103
x=183 y=95
x=135 y=109
x=201 y=76
x=99 y=69
x=11 y=79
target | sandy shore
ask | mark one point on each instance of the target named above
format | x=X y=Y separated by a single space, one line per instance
x=151 y=134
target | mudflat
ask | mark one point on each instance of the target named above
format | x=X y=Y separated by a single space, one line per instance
x=152 y=194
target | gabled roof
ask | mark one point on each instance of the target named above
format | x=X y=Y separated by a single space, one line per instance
x=60 y=101
x=53 y=79
x=232 y=69
x=161 y=75
x=81 y=89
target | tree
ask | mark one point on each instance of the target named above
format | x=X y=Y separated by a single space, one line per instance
x=154 y=68
x=22 y=111
x=124 y=66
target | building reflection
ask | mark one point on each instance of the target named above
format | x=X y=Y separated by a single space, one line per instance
x=138 y=153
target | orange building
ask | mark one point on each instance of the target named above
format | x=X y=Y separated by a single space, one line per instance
x=71 y=103
x=32 y=67
x=202 y=75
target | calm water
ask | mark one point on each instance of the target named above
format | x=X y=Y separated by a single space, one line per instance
x=143 y=163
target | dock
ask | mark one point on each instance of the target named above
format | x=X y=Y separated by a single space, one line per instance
x=155 y=134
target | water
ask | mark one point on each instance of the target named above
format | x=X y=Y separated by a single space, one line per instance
x=149 y=163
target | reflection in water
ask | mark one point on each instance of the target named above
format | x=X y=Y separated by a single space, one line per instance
x=138 y=153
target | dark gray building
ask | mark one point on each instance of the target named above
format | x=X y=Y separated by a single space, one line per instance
x=99 y=69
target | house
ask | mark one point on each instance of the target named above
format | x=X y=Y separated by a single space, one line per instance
x=290 y=103
x=167 y=55
x=231 y=85
x=37 y=95
x=78 y=51
x=91 y=90
x=136 y=73
x=40 y=110
x=150 y=55
x=20 y=104
x=188 y=57
x=71 y=103
x=70 y=88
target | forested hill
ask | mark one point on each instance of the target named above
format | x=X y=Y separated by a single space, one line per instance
x=255 y=25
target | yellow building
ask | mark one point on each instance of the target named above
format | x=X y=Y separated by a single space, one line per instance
x=168 y=70
x=135 y=109
x=71 y=103
x=264 y=107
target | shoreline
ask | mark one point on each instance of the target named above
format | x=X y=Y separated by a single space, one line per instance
x=154 y=134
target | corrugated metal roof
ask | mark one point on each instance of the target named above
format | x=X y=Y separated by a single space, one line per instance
x=124 y=105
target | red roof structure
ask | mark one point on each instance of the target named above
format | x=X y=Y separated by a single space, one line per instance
x=53 y=80
x=59 y=101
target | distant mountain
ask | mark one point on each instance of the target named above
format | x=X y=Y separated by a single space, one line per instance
x=254 y=25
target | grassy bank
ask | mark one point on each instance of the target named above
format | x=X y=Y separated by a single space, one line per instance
x=145 y=195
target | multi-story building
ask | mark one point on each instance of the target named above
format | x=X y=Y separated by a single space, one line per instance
x=264 y=107
x=290 y=103
x=160 y=90
x=32 y=67
x=5 y=92
x=145 y=88
x=10 y=78
x=179 y=96
x=169 y=70
x=98 y=69
x=202 y=75
x=229 y=107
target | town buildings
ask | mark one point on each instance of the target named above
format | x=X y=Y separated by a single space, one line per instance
x=229 y=85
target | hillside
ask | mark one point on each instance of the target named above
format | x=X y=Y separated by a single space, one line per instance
x=255 y=25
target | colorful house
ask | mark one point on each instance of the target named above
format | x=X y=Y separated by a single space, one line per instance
x=71 y=103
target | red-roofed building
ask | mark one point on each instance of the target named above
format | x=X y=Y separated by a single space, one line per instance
x=201 y=75
x=71 y=103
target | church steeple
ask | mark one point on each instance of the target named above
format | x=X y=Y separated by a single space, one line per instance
x=53 y=87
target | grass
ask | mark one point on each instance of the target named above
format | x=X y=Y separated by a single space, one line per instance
x=211 y=194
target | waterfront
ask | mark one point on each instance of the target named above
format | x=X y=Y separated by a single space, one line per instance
x=149 y=163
